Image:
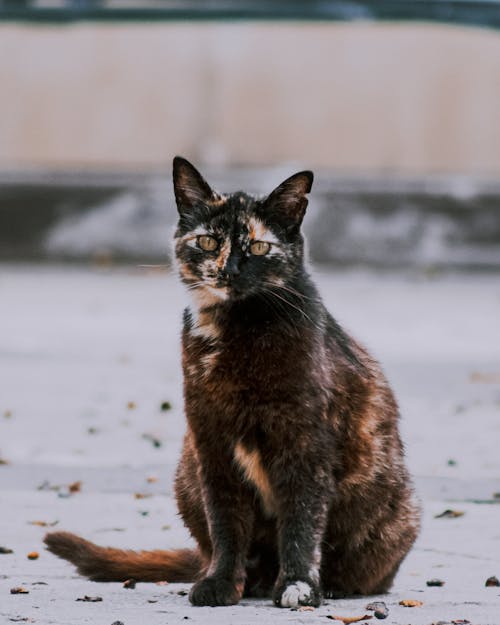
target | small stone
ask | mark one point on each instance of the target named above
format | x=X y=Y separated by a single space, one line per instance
x=7 y=414
x=435 y=582
x=380 y=610
x=131 y=405
x=117 y=623
x=492 y=581
x=5 y=550
x=33 y=555
x=165 y=405
x=87 y=598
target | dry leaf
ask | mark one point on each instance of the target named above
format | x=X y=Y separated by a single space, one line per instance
x=350 y=619
x=435 y=582
x=33 y=555
x=129 y=583
x=75 y=487
x=43 y=523
x=484 y=378
x=142 y=495
x=151 y=479
x=450 y=514
x=20 y=590
x=411 y=603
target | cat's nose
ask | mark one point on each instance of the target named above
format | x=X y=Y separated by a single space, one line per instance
x=231 y=269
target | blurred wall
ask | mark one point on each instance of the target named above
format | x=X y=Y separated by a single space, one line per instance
x=413 y=98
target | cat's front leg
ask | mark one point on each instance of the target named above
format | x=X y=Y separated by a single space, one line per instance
x=301 y=528
x=230 y=518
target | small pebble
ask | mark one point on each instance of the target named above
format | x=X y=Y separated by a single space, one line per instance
x=33 y=555
x=89 y=599
x=379 y=608
x=131 y=405
x=6 y=550
x=492 y=581
x=166 y=405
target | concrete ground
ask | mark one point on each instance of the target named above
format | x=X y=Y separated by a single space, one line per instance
x=88 y=357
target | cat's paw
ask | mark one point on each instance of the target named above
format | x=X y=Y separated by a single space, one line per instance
x=214 y=591
x=292 y=594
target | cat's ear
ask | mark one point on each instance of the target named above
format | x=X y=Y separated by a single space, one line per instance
x=288 y=202
x=189 y=185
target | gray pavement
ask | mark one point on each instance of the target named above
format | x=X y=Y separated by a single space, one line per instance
x=87 y=357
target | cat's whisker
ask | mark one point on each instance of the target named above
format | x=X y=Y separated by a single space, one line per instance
x=297 y=308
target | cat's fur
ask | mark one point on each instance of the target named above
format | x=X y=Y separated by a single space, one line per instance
x=292 y=478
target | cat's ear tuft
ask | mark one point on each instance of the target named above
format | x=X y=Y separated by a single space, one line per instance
x=288 y=202
x=189 y=185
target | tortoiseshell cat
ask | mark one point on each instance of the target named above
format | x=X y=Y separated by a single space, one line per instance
x=292 y=479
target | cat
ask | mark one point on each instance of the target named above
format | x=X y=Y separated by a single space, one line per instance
x=292 y=478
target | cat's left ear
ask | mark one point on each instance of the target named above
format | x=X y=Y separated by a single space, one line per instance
x=288 y=202
x=189 y=185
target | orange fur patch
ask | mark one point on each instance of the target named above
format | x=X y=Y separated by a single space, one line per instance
x=251 y=463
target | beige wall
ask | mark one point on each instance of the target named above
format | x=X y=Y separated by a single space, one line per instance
x=413 y=98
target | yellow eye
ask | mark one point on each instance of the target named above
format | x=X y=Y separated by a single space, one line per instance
x=260 y=248
x=209 y=244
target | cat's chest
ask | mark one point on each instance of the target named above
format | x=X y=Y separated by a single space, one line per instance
x=258 y=359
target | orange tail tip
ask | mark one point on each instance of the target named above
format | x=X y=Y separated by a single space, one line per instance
x=107 y=564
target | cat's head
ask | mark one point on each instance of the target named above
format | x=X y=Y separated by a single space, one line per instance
x=233 y=246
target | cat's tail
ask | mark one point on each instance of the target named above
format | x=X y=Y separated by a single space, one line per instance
x=107 y=564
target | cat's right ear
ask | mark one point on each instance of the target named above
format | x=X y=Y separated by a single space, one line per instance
x=189 y=185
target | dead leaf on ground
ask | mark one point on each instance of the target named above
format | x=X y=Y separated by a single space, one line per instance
x=89 y=599
x=142 y=495
x=75 y=487
x=33 y=555
x=43 y=523
x=19 y=590
x=492 y=581
x=151 y=479
x=129 y=583
x=483 y=377
x=411 y=603
x=131 y=405
x=349 y=619
x=435 y=582
x=450 y=514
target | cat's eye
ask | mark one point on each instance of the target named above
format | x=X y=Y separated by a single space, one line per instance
x=207 y=243
x=260 y=248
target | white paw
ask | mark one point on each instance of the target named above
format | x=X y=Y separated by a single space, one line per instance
x=295 y=594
